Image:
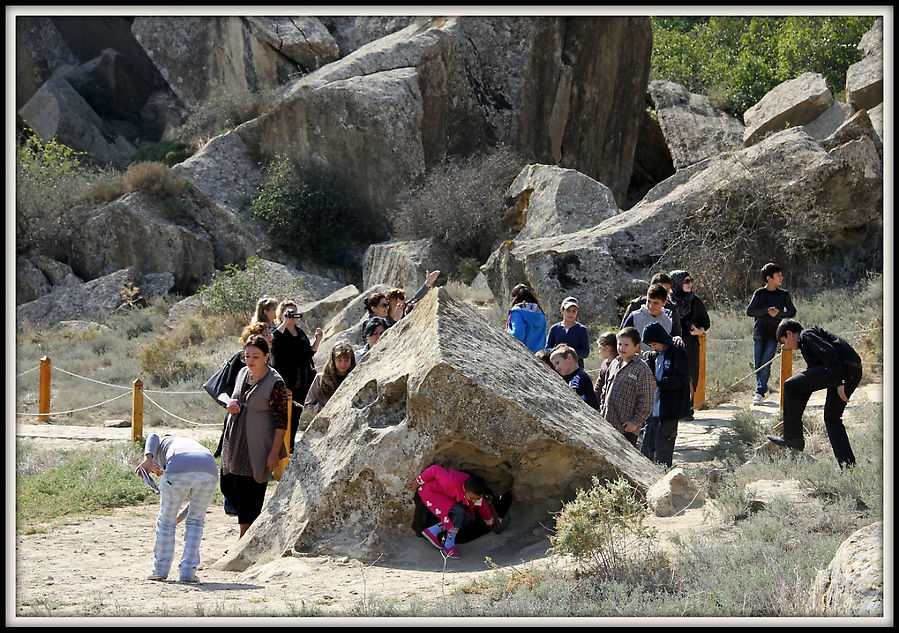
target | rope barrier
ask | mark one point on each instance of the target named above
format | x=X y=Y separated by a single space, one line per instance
x=749 y=375
x=121 y=395
x=106 y=384
x=27 y=371
x=177 y=417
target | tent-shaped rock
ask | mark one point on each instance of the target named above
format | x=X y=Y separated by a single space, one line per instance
x=442 y=386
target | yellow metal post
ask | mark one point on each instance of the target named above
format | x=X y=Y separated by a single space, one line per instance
x=43 y=406
x=786 y=370
x=699 y=394
x=137 y=410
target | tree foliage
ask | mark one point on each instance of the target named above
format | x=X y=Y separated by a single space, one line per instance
x=736 y=60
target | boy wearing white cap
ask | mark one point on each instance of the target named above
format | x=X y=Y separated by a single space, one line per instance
x=570 y=332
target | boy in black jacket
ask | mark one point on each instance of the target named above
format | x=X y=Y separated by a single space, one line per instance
x=832 y=364
x=769 y=305
x=671 y=369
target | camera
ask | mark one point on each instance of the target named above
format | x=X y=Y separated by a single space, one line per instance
x=293 y=314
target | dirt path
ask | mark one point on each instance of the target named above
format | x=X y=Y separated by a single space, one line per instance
x=97 y=567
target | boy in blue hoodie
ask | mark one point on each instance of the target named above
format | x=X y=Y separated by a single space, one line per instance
x=671 y=401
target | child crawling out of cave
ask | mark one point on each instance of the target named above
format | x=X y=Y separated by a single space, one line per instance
x=455 y=506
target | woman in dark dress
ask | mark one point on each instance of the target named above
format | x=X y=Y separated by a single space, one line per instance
x=694 y=320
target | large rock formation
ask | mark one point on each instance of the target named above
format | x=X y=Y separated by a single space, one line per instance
x=794 y=102
x=404 y=263
x=553 y=201
x=556 y=88
x=852 y=585
x=833 y=189
x=694 y=129
x=442 y=386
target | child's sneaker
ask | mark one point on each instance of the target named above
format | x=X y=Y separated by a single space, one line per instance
x=758 y=398
x=155 y=577
x=451 y=552
x=432 y=539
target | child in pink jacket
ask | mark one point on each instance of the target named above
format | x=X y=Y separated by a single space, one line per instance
x=453 y=497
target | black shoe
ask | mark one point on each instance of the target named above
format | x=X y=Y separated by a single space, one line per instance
x=782 y=441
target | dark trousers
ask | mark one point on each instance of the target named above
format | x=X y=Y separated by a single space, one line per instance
x=245 y=493
x=799 y=388
x=658 y=440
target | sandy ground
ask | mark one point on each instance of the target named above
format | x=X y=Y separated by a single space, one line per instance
x=97 y=567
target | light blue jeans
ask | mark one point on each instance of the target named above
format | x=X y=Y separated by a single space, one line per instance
x=763 y=352
x=173 y=490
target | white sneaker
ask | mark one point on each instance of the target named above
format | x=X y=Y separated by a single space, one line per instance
x=758 y=399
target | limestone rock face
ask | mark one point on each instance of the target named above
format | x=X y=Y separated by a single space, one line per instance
x=404 y=263
x=318 y=312
x=445 y=86
x=303 y=39
x=672 y=493
x=187 y=236
x=794 y=102
x=831 y=190
x=552 y=201
x=852 y=585
x=31 y=282
x=694 y=129
x=40 y=49
x=57 y=111
x=86 y=301
x=354 y=31
x=864 y=79
x=198 y=55
x=347 y=324
x=832 y=118
x=425 y=395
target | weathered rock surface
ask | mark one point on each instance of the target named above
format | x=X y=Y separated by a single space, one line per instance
x=864 y=79
x=200 y=55
x=852 y=585
x=447 y=86
x=40 y=49
x=355 y=31
x=301 y=38
x=832 y=118
x=36 y=275
x=346 y=325
x=693 y=128
x=87 y=301
x=832 y=191
x=317 y=313
x=672 y=493
x=425 y=395
x=404 y=263
x=876 y=116
x=188 y=236
x=652 y=158
x=794 y=102
x=57 y=111
x=553 y=201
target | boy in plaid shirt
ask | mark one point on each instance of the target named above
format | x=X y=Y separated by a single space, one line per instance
x=628 y=394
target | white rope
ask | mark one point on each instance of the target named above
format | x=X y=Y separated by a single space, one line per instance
x=121 y=395
x=171 y=392
x=106 y=384
x=178 y=417
x=27 y=371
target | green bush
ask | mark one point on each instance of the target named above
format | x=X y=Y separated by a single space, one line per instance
x=602 y=530
x=736 y=60
x=168 y=152
x=311 y=216
x=235 y=290
x=159 y=360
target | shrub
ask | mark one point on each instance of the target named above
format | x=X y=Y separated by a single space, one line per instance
x=736 y=60
x=310 y=215
x=737 y=441
x=168 y=152
x=159 y=360
x=235 y=290
x=461 y=202
x=154 y=178
x=602 y=530
x=221 y=111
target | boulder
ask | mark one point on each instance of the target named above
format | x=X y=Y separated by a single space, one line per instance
x=40 y=49
x=864 y=79
x=551 y=201
x=856 y=126
x=319 y=312
x=91 y=300
x=57 y=111
x=448 y=86
x=832 y=118
x=187 y=235
x=789 y=104
x=31 y=282
x=202 y=55
x=693 y=128
x=652 y=158
x=424 y=395
x=302 y=39
x=355 y=31
x=57 y=273
x=346 y=325
x=183 y=310
x=876 y=116
x=224 y=171
x=852 y=584
x=673 y=493
x=404 y=263
x=832 y=191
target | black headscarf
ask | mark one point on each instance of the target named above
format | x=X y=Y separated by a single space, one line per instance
x=682 y=300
